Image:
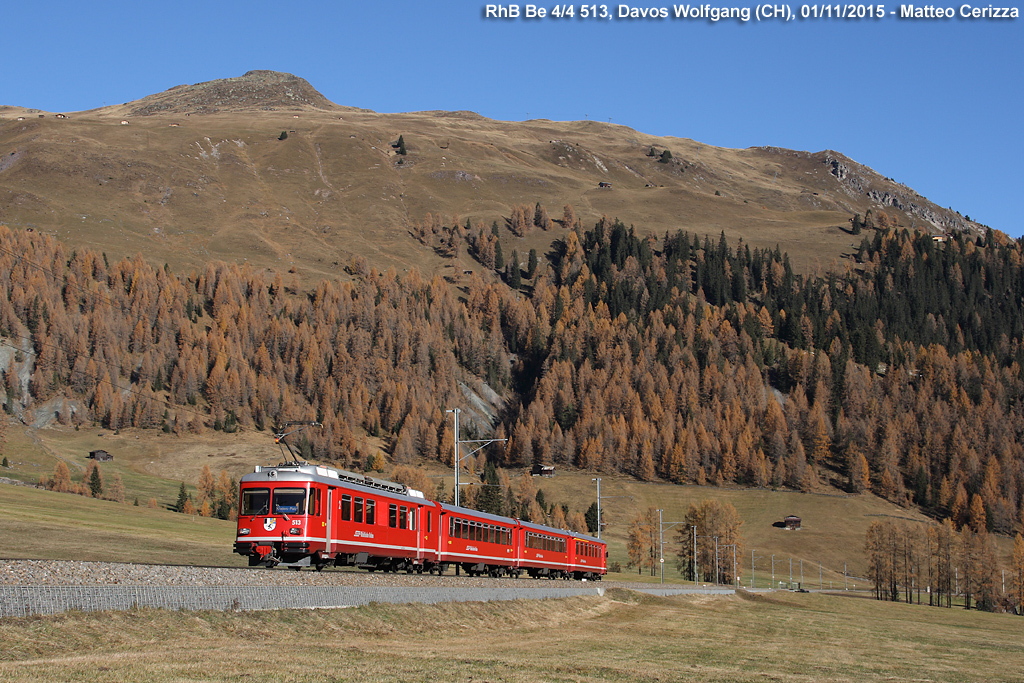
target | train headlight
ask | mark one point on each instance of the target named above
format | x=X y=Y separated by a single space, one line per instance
x=294 y=532
x=244 y=532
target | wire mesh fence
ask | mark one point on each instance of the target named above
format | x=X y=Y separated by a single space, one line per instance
x=18 y=601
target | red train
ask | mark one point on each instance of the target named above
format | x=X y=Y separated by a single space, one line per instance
x=301 y=515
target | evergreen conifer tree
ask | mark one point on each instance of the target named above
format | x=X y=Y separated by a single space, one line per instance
x=499 y=258
x=182 y=498
x=591 y=517
x=515 y=277
x=96 y=482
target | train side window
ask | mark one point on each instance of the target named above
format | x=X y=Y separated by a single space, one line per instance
x=346 y=508
x=403 y=517
x=478 y=532
x=451 y=527
x=357 y=511
x=430 y=516
x=412 y=519
x=371 y=507
x=392 y=515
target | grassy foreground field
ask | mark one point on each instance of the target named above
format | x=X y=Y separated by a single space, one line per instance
x=61 y=526
x=622 y=636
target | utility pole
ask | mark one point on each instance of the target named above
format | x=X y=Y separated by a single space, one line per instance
x=717 y=575
x=599 y=497
x=819 y=574
x=661 y=533
x=773 y=571
x=791 y=573
x=458 y=450
x=846 y=583
x=695 y=556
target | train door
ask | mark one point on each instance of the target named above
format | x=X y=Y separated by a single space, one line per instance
x=417 y=511
x=517 y=543
x=330 y=518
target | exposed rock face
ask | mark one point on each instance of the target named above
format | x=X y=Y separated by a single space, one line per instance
x=262 y=90
x=884 y=192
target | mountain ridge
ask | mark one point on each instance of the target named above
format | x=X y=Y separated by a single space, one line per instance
x=200 y=171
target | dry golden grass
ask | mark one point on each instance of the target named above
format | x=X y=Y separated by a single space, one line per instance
x=622 y=636
x=43 y=525
x=222 y=186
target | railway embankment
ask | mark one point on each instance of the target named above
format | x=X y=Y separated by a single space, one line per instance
x=49 y=586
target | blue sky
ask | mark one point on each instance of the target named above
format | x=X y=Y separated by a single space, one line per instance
x=935 y=104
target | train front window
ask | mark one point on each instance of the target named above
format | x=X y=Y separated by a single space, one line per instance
x=289 y=501
x=255 y=501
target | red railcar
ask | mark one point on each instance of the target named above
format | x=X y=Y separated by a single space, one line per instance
x=301 y=515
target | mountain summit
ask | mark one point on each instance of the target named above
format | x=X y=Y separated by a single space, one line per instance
x=260 y=90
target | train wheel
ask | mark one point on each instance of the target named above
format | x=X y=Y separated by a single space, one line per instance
x=298 y=568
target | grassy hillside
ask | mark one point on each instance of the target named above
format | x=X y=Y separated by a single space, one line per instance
x=194 y=175
x=60 y=526
x=619 y=637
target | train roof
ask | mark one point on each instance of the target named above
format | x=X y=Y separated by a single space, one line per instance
x=470 y=512
x=330 y=475
x=567 y=532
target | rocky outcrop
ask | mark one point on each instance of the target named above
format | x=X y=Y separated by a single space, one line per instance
x=259 y=90
x=857 y=179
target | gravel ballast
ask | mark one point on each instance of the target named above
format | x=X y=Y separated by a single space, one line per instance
x=68 y=573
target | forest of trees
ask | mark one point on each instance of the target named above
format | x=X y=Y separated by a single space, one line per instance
x=677 y=358
x=695 y=362
x=936 y=563
x=710 y=528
